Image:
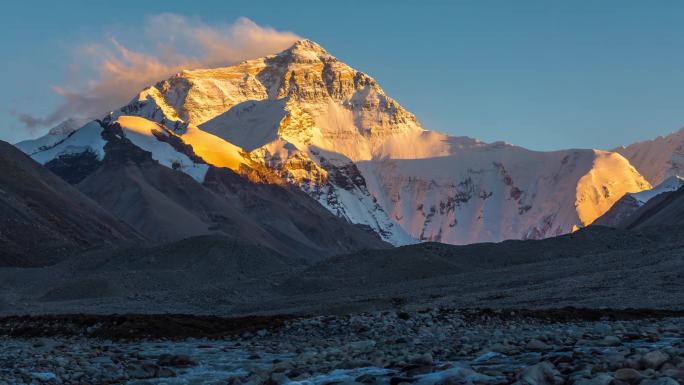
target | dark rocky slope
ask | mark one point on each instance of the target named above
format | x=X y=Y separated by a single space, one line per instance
x=43 y=219
x=592 y=268
x=666 y=209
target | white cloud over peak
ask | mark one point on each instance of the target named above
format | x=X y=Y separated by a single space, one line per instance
x=106 y=74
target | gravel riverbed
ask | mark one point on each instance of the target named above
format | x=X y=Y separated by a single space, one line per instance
x=389 y=348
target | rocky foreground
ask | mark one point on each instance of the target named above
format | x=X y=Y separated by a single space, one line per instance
x=393 y=348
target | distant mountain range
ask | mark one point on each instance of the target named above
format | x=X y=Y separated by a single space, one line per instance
x=305 y=155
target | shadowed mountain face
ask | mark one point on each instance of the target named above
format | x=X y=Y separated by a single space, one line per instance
x=43 y=219
x=619 y=212
x=659 y=206
x=666 y=209
x=167 y=205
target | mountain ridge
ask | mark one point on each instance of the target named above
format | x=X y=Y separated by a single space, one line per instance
x=659 y=158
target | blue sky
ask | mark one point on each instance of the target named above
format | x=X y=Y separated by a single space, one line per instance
x=542 y=74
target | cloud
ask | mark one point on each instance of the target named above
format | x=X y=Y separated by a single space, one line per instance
x=27 y=120
x=104 y=76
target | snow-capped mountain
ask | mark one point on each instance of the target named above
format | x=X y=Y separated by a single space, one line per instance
x=659 y=158
x=304 y=117
x=53 y=137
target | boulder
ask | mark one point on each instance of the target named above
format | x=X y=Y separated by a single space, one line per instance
x=628 y=375
x=654 y=359
x=543 y=373
x=537 y=346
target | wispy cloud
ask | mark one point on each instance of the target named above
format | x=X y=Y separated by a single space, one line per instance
x=105 y=75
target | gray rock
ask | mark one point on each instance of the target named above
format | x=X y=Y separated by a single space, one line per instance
x=654 y=359
x=659 y=381
x=611 y=341
x=677 y=374
x=362 y=346
x=178 y=361
x=537 y=346
x=543 y=373
x=603 y=329
x=143 y=371
x=45 y=376
x=167 y=372
x=366 y=379
x=627 y=375
x=600 y=379
x=503 y=348
x=423 y=359
x=279 y=378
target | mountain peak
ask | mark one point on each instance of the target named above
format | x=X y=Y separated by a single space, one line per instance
x=66 y=127
x=307 y=45
x=306 y=49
